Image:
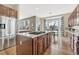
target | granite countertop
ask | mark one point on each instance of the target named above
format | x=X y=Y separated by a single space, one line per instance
x=27 y=34
x=76 y=32
x=73 y=32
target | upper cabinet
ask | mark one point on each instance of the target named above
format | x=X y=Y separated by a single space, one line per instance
x=78 y=14
x=73 y=19
x=6 y=11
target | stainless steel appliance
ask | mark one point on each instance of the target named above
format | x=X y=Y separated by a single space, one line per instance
x=7 y=32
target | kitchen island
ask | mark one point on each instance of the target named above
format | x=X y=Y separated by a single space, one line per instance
x=32 y=43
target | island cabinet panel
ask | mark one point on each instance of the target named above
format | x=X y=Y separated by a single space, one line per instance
x=49 y=38
x=23 y=45
x=45 y=42
x=40 y=45
x=35 y=46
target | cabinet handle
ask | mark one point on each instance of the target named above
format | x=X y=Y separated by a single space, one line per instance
x=20 y=42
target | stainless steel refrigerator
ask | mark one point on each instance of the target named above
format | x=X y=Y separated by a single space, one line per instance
x=7 y=32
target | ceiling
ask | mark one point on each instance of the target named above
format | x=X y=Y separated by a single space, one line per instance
x=44 y=10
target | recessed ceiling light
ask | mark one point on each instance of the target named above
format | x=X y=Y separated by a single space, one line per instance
x=37 y=8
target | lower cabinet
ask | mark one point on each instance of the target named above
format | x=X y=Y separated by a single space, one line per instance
x=35 y=42
x=41 y=43
x=45 y=45
x=32 y=46
x=23 y=45
x=77 y=45
x=40 y=46
x=78 y=48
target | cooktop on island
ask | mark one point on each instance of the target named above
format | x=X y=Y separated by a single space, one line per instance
x=36 y=33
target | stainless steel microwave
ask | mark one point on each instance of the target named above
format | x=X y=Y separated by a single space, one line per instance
x=2 y=26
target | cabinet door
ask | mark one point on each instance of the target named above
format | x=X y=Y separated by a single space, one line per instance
x=23 y=45
x=44 y=42
x=34 y=46
x=1 y=10
x=78 y=10
x=49 y=38
x=40 y=46
x=78 y=47
x=10 y=12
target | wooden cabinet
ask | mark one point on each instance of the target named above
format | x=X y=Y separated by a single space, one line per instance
x=32 y=46
x=77 y=45
x=6 y=11
x=73 y=18
x=35 y=42
x=45 y=42
x=2 y=10
x=40 y=45
x=72 y=35
x=12 y=13
x=23 y=45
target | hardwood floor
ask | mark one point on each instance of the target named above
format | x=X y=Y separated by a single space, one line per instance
x=52 y=50
x=55 y=50
x=9 y=51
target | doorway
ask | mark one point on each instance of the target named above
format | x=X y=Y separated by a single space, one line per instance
x=54 y=24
